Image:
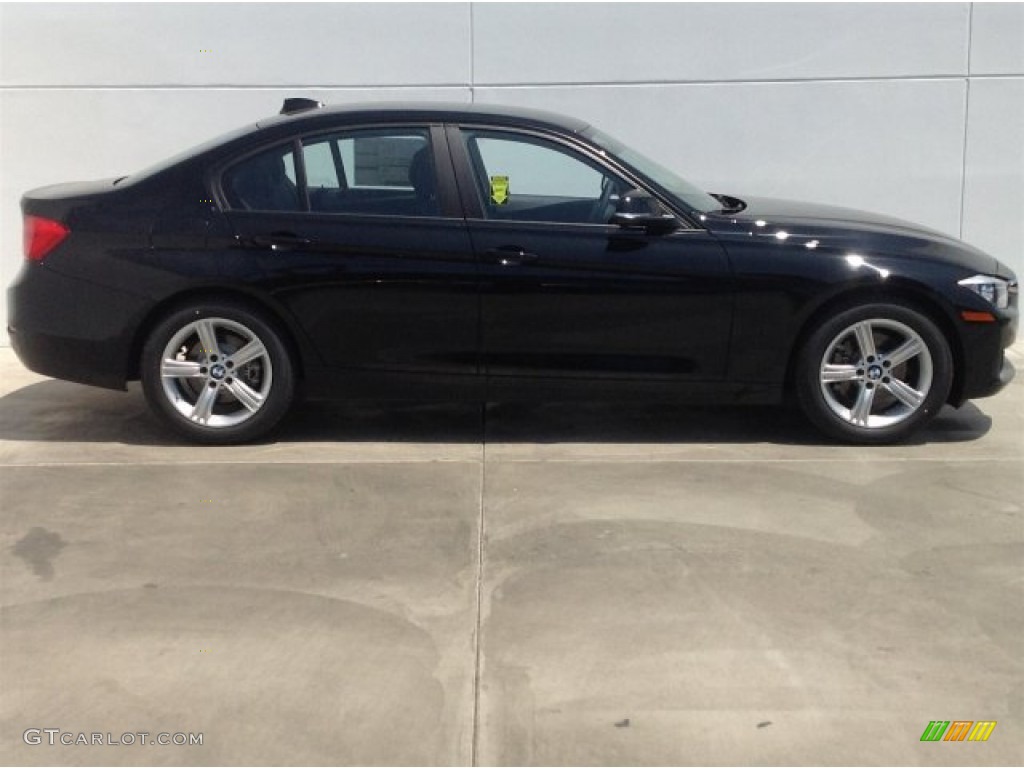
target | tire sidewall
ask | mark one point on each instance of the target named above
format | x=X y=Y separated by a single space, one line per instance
x=808 y=385
x=282 y=387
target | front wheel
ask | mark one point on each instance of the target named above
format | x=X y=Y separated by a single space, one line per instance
x=874 y=373
x=217 y=372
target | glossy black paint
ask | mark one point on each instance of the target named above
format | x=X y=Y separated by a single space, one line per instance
x=456 y=306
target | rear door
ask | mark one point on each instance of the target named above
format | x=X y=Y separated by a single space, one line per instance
x=363 y=240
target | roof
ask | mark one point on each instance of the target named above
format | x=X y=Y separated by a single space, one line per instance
x=429 y=112
x=278 y=126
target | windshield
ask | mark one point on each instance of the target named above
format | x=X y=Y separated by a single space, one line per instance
x=660 y=175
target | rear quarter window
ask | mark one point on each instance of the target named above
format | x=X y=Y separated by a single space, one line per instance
x=264 y=182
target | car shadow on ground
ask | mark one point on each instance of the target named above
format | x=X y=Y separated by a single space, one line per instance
x=57 y=411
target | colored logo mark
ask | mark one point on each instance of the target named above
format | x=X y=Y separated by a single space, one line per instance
x=958 y=730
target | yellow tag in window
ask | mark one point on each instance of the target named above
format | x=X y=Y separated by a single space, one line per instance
x=499 y=190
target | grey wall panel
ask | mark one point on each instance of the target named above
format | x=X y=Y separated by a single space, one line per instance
x=238 y=44
x=997 y=39
x=994 y=185
x=634 y=42
x=888 y=146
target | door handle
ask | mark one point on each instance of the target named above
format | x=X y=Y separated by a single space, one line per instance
x=510 y=256
x=280 y=241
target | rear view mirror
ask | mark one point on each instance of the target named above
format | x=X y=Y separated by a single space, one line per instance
x=638 y=209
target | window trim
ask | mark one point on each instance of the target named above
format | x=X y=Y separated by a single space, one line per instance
x=300 y=174
x=339 y=166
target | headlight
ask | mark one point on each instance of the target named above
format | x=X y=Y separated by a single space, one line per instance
x=994 y=290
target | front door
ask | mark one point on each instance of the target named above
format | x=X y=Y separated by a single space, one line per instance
x=567 y=296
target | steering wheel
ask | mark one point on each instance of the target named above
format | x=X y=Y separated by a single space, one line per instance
x=601 y=213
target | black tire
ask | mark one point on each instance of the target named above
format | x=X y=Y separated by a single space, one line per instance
x=244 y=401
x=836 y=382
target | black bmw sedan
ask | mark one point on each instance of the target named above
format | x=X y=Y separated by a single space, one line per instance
x=449 y=252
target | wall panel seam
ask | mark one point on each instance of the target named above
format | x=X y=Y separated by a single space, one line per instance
x=776 y=81
x=494 y=86
x=232 y=87
x=472 y=57
x=967 y=113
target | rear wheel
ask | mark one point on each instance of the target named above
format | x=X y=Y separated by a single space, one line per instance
x=874 y=373
x=218 y=373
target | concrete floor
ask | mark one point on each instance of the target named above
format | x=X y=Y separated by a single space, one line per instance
x=648 y=585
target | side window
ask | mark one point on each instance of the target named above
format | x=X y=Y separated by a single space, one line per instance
x=378 y=172
x=264 y=182
x=387 y=172
x=523 y=178
x=321 y=170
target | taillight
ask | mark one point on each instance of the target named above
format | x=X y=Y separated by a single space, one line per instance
x=42 y=236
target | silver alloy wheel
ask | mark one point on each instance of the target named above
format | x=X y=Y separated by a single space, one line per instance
x=216 y=372
x=876 y=373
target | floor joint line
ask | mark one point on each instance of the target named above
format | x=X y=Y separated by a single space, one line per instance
x=474 y=743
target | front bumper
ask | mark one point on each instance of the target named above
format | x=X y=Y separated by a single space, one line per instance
x=986 y=368
x=1003 y=376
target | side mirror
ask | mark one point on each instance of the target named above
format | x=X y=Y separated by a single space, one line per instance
x=638 y=209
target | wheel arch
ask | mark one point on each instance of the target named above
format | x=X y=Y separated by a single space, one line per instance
x=907 y=294
x=290 y=333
